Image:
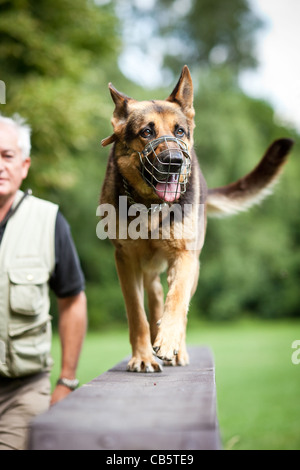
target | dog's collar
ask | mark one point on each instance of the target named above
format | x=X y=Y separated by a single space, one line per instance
x=152 y=208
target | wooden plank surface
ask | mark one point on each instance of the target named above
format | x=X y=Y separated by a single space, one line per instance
x=175 y=409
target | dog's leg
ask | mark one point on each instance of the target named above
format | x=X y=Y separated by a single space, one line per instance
x=155 y=301
x=170 y=340
x=131 y=280
x=182 y=358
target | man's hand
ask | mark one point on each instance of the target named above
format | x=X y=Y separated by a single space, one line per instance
x=60 y=392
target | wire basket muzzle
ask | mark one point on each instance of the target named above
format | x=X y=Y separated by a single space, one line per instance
x=166 y=167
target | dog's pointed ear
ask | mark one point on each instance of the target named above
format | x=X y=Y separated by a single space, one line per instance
x=120 y=100
x=183 y=93
x=120 y=114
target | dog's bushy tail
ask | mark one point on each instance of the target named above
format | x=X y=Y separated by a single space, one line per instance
x=252 y=188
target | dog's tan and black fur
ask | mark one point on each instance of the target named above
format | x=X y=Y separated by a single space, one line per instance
x=140 y=262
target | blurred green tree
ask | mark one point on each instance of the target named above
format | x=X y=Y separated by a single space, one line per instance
x=53 y=59
x=211 y=33
x=56 y=59
x=250 y=262
x=167 y=34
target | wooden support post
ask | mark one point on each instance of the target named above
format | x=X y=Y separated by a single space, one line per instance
x=119 y=410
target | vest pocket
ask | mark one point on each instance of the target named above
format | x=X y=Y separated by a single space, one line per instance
x=30 y=349
x=29 y=328
x=27 y=290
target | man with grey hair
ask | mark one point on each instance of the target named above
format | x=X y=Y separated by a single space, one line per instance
x=36 y=252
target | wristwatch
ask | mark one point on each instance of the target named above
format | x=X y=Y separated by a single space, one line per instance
x=71 y=384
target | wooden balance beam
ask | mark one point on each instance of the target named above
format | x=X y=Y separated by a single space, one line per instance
x=120 y=410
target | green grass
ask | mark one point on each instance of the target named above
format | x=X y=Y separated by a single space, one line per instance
x=258 y=387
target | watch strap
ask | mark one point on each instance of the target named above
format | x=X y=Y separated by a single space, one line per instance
x=71 y=384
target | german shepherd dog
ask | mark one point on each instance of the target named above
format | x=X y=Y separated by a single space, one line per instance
x=153 y=163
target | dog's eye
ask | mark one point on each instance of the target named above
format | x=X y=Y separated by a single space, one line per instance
x=145 y=133
x=180 y=132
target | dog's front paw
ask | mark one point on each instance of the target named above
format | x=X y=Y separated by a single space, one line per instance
x=182 y=359
x=166 y=345
x=169 y=344
x=137 y=364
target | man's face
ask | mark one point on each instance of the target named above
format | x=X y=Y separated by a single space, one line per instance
x=13 y=168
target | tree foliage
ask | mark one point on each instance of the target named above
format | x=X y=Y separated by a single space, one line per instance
x=250 y=262
x=52 y=59
x=196 y=32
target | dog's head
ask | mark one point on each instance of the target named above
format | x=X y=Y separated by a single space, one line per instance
x=154 y=140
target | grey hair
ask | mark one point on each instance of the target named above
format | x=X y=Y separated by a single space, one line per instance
x=23 y=130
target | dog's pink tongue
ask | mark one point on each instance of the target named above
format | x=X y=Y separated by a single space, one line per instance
x=168 y=192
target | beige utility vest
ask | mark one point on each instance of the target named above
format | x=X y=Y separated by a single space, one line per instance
x=27 y=260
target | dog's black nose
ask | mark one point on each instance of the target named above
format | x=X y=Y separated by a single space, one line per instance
x=176 y=158
x=171 y=157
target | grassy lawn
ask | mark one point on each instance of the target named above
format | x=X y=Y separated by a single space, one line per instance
x=258 y=387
